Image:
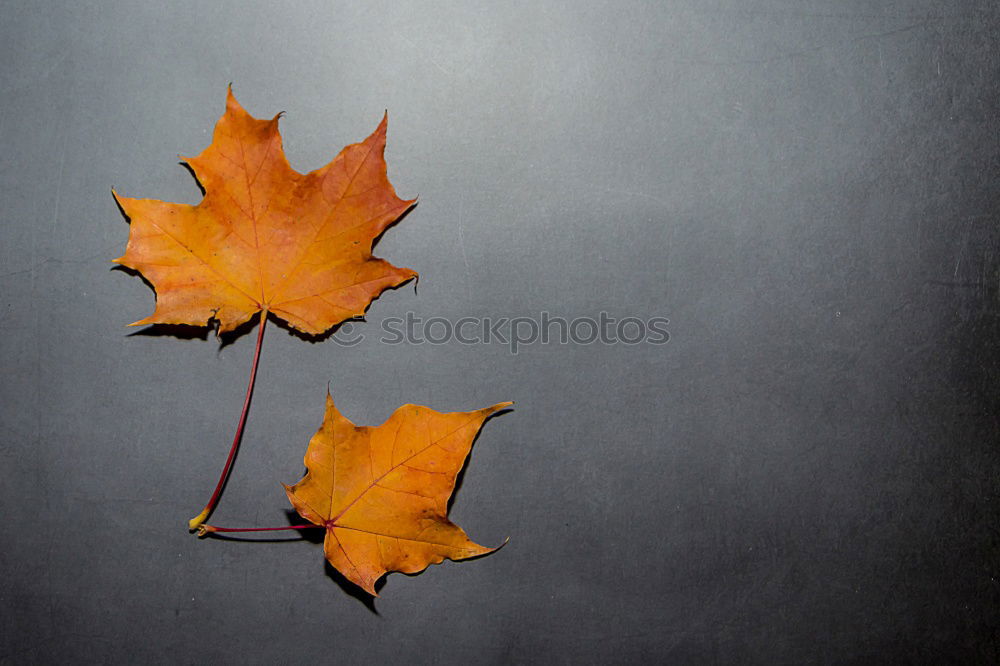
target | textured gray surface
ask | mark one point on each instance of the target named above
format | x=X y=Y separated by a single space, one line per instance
x=807 y=471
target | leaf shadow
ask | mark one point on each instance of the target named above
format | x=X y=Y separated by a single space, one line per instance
x=461 y=473
x=309 y=337
x=352 y=590
x=179 y=331
x=190 y=170
x=191 y=332
x=399 y=219
x=293 y=518
x=314 y=536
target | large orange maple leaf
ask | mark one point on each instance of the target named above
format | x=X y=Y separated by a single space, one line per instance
x=382 y=492
x=265 y=237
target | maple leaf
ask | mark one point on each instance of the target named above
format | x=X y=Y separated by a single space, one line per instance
x=382 y=492
x=266 y=238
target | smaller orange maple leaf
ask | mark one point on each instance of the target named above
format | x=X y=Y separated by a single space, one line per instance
x=382 y=492
x=265 y=237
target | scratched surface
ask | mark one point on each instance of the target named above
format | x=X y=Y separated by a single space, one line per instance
x=808 y=470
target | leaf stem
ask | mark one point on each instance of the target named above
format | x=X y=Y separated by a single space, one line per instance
x=208 y=529
x=199 y=520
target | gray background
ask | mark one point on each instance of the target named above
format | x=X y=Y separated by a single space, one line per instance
x=807 y=471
